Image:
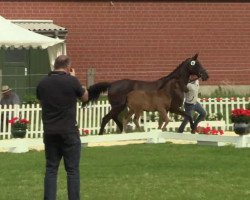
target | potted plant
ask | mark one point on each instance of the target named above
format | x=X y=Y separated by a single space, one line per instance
x=241 y=119
x=18 y=127
x=214 y=116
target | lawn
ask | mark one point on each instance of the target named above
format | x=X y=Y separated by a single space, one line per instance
x=137 y=172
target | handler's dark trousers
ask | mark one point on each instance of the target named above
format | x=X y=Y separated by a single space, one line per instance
x=58 y=146
x=188 y=109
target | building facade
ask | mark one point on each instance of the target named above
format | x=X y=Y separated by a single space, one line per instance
x=111 y=40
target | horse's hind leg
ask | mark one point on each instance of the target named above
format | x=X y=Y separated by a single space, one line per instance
x=105 y=120
x=113 y=114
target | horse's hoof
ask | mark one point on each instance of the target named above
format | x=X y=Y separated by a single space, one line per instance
x=193 y=131
x=164 y=129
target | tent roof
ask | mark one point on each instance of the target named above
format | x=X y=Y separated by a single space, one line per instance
x=43 y=27
x=12 y=35
x=38 y=25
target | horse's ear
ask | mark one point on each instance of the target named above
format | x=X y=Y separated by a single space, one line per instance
x=195 y=57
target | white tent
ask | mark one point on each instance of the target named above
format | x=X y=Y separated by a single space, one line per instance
x=14 y=36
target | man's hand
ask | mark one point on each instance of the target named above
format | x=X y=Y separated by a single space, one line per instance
x=72 y=72
x=85 y=96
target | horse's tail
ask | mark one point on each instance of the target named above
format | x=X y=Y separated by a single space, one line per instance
x=95 y=91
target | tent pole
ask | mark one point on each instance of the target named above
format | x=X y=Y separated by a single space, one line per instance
x=1 y=78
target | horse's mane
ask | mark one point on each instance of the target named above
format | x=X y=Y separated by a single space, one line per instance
x=173 y=74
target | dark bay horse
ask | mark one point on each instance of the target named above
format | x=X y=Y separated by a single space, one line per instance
x=118 y=90
x=157 y=100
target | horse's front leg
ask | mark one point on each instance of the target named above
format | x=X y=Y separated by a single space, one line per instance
x=126 y=119
x=160 y=122
x=136 y=120
x=164 y=115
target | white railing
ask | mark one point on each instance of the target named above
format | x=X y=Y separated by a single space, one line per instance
x=155 y=136
x=90 y=117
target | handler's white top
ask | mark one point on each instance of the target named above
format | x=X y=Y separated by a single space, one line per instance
x=192 y=95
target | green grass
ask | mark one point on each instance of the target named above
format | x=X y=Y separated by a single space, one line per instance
x=137 y=172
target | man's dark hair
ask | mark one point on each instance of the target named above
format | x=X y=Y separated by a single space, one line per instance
x=62 y=61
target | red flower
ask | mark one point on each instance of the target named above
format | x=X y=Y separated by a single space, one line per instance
x=219 y=99
x=25 y=121
x=240 y=115
x=221 y=132
x=21 y=123
x=85 y=132
x=203 y=99
x=13 y=120
x=208 y=131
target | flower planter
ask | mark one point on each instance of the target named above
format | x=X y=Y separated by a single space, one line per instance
x=241 y=119
x=242 y=128
x=18 y=133
x=18 y=127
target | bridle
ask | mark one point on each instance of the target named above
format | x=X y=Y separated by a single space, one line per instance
x=198 y=76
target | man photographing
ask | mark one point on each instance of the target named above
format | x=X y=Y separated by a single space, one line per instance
x=58 y=93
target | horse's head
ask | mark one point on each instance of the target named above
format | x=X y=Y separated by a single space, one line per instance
x=195 y=67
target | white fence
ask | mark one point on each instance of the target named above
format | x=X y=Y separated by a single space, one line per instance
x=90 y=117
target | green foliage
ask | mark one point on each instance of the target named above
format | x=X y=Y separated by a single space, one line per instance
x=240 y=119
x=30 y=99
x=223 y=92
x=214 y=116
x=153 y=117
x=103 y=97
x=248 y=106
x=177 y=118
x=122 y=114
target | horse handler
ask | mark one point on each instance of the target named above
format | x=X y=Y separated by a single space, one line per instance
x=191 y=104
x=58 y=93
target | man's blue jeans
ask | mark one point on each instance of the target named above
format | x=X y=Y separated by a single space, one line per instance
x=189 y=108
x=68 y=147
